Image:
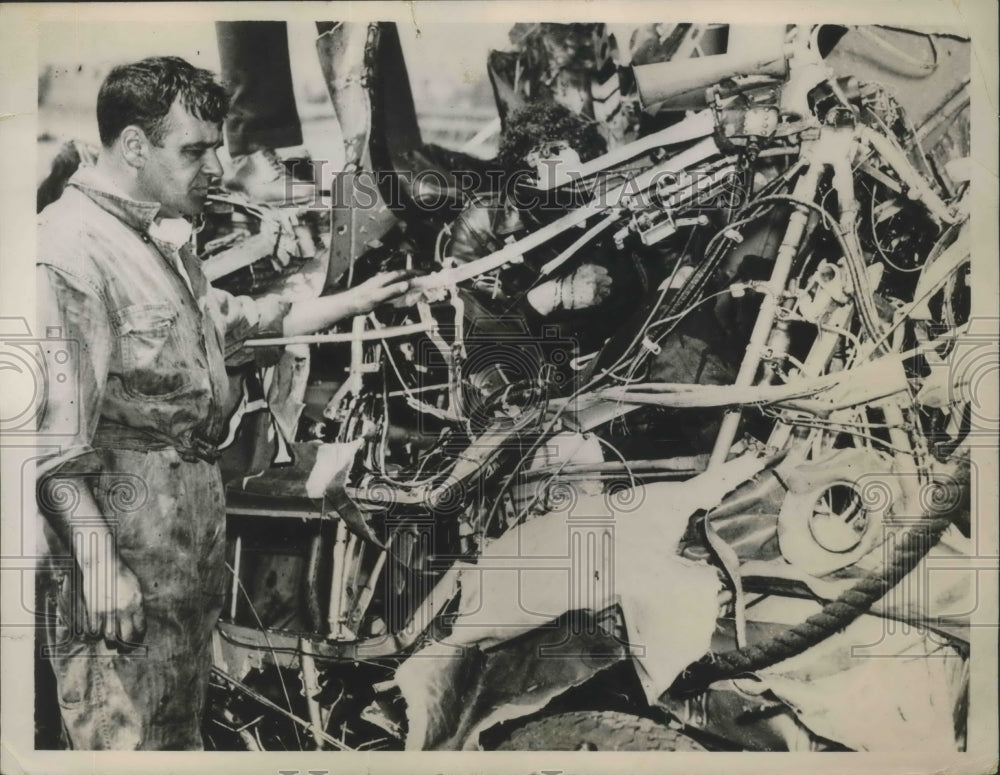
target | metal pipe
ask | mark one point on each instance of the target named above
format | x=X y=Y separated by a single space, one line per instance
x=258 y=697
x=693 y=127
x=680 y=465
x=368 y=590
x=336 y=587
x=352 y=542
x=817 y=361
x=617 y=197
x=236 y=576
x=875 y=379
x=389 y=332
x=905 y=467
x=313 y=609
x=442 y=592
x=805 y=188
x=311 y=688
x=585 y=238
x=919 y=188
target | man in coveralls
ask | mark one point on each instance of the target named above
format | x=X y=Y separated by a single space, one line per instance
x=134 y=493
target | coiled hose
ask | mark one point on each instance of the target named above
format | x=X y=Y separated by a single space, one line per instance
x=911 y=548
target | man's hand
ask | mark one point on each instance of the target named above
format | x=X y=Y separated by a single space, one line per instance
x=588 y=286
x=112 y=597
x=381 y=288
x=113 y=601
x=318 y=314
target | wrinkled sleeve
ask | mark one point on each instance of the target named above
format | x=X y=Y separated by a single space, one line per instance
x=472 y=234
x=242 y=317
x=74 y=346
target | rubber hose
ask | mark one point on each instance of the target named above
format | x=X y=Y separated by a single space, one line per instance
x=835 y=616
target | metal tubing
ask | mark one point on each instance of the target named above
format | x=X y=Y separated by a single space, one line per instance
x=310 y=685
x=919 y=188
x=336 y=585
x=368 y=590
x=797 y=221
x=617 y=197
x=258 y=697
x=693 y=127
x=389 y=332
x=236 y=576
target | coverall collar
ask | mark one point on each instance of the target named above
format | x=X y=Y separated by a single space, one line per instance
x=139 y=215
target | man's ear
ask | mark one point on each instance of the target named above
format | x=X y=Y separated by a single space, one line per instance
x=134 y=146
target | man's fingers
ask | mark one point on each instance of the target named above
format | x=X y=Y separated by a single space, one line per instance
x=395 y=289
x=139 y=624
x=95 y=622
x=112 y=615
x=130 y=623
x=94 y=602
x=383 y=279
x=131 y=628
x=378 y=295
x=111 y=626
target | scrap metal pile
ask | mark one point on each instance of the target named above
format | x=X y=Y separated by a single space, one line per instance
x=482 y=486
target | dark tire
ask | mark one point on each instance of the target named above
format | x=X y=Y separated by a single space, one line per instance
x=597 y=731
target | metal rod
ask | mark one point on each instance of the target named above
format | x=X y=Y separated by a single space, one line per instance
x=258 y=697
x=368 y=590
x=693 y=127
x=797 y=221
x=876 y=379
x=336 y=588
x=586 y=237
x=429 y=607
x=685 y=464
x=805 y=189
x=310 y=685
x=919 y=188
x=389 y=332
x=816 y=362
x=236 y=576
x=352 y=540
x=617 y=197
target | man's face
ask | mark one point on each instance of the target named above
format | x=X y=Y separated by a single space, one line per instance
x=178 y=171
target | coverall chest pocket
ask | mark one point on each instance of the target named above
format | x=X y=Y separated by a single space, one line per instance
x=153 y=362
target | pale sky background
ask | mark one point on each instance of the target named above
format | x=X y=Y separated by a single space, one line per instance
x=82 y=53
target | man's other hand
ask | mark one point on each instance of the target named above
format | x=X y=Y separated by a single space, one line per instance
x=114 y=602
x=588 y=286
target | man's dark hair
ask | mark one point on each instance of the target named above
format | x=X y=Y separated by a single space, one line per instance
x=141 y=94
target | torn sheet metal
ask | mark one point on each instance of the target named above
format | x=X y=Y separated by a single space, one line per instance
x=328 y=478
x=877 y=686
x=595 y=552
x=455 y=693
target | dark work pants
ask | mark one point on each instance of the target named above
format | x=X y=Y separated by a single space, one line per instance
x=258 y=75
x=169 y=520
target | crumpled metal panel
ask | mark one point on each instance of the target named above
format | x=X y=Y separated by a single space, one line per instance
x=923 y=72
x=876 y=687
x=593 y=553
x=342 y=57
x=453 y=694
x=359 y=215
